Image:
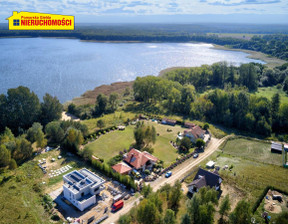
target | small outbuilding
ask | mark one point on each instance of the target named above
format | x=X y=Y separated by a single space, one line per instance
x=210 y=164
x=276 y=147
x=168 y=121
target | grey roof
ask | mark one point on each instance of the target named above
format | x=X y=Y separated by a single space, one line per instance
x=276 y=146
x=205 y=178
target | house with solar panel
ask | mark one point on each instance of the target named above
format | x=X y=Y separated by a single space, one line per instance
x=81 y=188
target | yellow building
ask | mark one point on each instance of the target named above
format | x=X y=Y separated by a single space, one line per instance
x=40 y=21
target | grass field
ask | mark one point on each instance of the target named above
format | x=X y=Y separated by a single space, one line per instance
x=252 y=150
x=20 y=200
x=117 y=118
x=110 y=144
x=268 y=92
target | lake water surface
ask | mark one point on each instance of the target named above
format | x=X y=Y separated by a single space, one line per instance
x=66 y=68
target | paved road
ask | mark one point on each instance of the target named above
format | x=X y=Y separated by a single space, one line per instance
x=178 y=173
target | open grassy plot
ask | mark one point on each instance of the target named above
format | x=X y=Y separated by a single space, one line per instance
x=162 y=148
x=252 y=150
x=109 y=145
x=20 y=200
x=117 y=118
x=268 y=92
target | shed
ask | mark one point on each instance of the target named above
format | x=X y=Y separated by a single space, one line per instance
x=210 y=164
x=276 y=147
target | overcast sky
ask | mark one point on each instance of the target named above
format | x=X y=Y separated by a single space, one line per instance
x=189 y=11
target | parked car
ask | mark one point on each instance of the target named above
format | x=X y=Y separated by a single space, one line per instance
x=168 y=174
x=117 y=205
x=195 y=155
x=135 y=173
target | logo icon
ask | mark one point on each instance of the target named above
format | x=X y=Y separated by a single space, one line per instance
x=40 y=21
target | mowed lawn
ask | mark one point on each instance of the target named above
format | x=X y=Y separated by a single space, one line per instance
x=162 y=148
x=109 y=145
x=253 y=150
x=268 y=92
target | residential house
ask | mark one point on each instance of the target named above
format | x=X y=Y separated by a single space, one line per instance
x=81 y=187
x=205 y=178
x=168 y=121
x=194 y=133
x=189 y=125
x=276 y=147
x=122 y=168
x=140 y=160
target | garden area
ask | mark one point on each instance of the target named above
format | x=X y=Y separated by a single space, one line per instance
x=110 y=144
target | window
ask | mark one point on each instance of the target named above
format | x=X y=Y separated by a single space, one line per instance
x=82 y=194
x=15 y=22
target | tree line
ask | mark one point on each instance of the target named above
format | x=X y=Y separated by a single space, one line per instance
x=103 y=105
x=25 y=120
x=232 y=106
x=20 y=108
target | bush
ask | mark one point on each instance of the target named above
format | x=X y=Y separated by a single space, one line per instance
x=147 y=172
x=55 y=217
x=115 y=160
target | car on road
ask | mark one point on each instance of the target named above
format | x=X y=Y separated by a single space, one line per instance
x=168 y=174
x=195 y=155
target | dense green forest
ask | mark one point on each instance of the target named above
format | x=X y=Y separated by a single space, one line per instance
x=271 y=42
x=220 y=94
x=25 y=120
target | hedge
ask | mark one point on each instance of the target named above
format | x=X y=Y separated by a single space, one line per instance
x=109 y=172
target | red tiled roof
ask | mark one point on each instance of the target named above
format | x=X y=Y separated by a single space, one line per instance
x=196 y=131
x=149 y=156
x=137 y=159
x=122 y=168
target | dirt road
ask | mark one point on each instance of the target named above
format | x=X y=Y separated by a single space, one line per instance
x=178 y=173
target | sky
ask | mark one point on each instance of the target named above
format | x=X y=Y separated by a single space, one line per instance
x=164 y=11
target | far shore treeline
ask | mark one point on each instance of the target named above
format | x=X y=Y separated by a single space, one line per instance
x=263 y=38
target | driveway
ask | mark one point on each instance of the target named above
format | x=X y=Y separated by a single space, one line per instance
x=178 y=173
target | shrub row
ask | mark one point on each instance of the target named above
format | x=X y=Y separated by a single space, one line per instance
x=94 y=135
x=109 y=172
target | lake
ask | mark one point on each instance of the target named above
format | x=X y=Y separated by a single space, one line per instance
x=66 y=68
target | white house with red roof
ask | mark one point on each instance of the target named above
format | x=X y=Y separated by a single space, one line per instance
x=194 y=133
x=140 y=160
x=137 y=160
